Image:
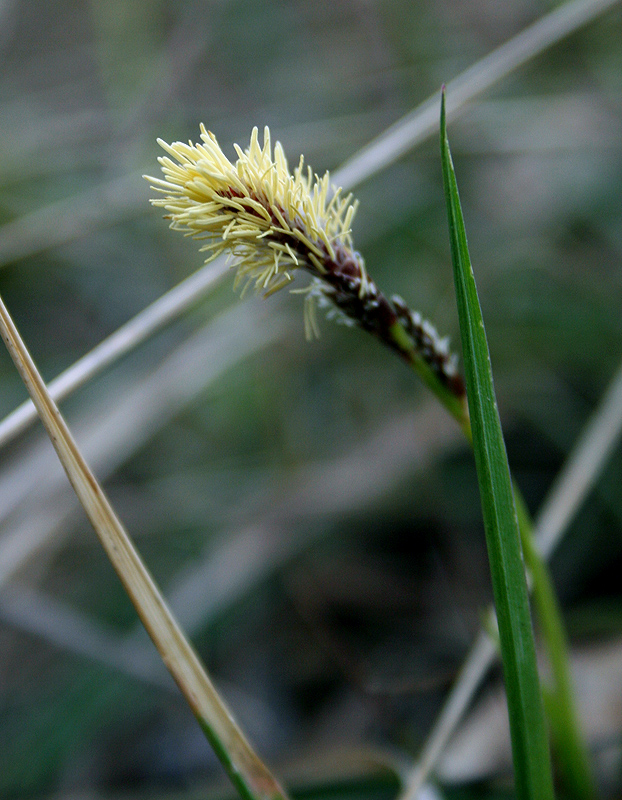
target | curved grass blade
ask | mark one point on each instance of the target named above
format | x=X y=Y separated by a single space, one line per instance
x=247 y=772
x=532 y=764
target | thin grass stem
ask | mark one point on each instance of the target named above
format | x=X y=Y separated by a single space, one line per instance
x=125 y=339
x=569 y=744
x=455 y=404
x=247 y=772
x=577 y=477
x=599 y=438
x=422 y=122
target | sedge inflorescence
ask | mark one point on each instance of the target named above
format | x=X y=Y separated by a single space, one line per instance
x=271 y=223
x=269 y=220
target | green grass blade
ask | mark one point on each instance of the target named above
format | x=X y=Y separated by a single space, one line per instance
x=532 y=765
x=572 y=757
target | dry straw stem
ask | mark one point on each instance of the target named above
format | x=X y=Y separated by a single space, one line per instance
x=35 y=500
x=108 y=203
x=598 y=440
x=248 y=553
x=125 y=339
x=422 y=121
x=247 y=772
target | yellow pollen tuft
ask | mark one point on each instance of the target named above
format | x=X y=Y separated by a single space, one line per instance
x=271 y=221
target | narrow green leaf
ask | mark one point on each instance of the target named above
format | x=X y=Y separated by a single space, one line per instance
x=569 y=747
x=532 y=764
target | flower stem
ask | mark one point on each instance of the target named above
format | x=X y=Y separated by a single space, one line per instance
x=454 y=403
x=559 y=702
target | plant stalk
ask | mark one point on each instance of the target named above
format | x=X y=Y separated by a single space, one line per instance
x=530 y=750
x=247 y=772
x=560 y=703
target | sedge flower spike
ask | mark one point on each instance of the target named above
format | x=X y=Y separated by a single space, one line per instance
x=272 y=222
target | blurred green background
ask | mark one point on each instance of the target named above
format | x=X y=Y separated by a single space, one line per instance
x=311 y=513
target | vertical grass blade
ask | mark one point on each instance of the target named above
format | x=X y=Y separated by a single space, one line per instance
x=248 y=773
x=532 y=764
